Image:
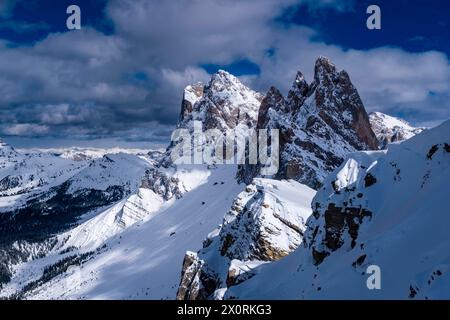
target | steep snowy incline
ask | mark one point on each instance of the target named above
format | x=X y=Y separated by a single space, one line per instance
x=385 y=208
x=144 y=260
x=103 y=182
x=390 y=129
x=158 y=189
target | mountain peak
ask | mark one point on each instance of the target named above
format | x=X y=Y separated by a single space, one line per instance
x=274 y=93
x=224 y=77
x=192 y=94
x=319 y=124
x=273 y=100
x=391 y=129
x=325 y=64
x=299 y=91
x=224 y=103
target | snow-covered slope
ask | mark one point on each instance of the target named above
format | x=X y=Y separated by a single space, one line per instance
x=319 y=123
x=21 y=173
x=144 y=260
x=121 y=169
x=265 y=223
x=384 y=208
x=390 y=129
x=32 y=218
x=119 y=226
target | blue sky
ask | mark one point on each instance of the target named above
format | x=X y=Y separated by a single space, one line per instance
x=119 y=80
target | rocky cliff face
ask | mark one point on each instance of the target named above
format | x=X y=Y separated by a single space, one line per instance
x=319 y=124
x=265 y=223
x=390 y=129
x=224 y=103
x=354 y=194
x=192 y=94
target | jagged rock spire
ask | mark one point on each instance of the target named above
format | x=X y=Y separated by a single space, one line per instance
x=298 y=92
x=273 y=100
x=319 y=124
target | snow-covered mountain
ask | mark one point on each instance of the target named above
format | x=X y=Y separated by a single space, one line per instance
x=390 y=129
x=223 y=104
x=265 y=223
x=99 y=183
x=50 y=194
x=319 y=124
x=148 y=193
x=382 y=208
x=22 y=173
x=142 y=261
x=139 y=226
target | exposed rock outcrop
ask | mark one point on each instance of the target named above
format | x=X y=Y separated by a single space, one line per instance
x=265 y=223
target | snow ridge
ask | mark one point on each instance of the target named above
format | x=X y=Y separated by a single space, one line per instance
x=383 y=208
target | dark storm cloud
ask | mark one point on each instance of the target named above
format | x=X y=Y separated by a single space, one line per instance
x=129 y=84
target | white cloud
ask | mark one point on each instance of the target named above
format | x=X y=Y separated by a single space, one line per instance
x=387 y=78
x=85 y=82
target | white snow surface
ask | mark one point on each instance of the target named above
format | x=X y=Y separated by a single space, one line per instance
x=143 y=261
x=25 y=174
x=111 y=170
x=407 y=236
x=265 y=221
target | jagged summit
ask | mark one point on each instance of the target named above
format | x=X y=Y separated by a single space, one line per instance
x=319 y=124
x=323 y=67
x=299 y=91
x=224 y=77
x=371 y=212
x=223 y=103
